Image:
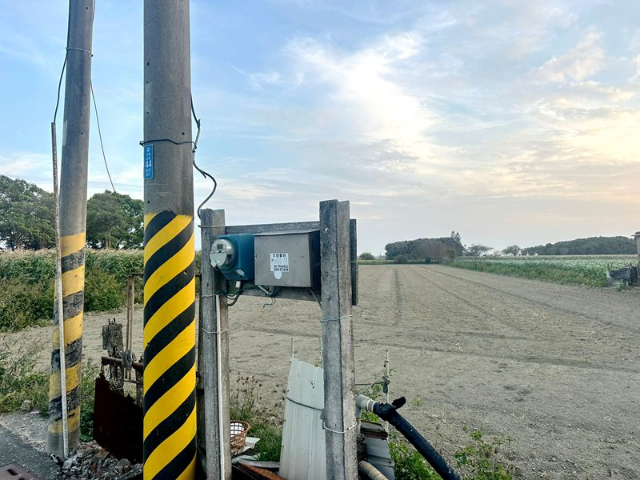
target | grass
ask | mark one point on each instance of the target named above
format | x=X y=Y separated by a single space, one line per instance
x=20 y=380
x=479 y=460
x=573 y=269
x=245 y=406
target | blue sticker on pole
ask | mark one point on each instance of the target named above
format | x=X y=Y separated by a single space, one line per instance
x=148 y=162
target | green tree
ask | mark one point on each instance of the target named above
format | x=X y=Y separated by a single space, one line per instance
x=514 y=250
x=114 y=221
x=26 y=215
x=366 y=256
x=477 y=249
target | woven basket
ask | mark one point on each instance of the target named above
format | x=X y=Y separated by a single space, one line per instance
x=239 y=432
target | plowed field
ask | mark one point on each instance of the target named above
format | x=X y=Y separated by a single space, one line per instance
x=555 y=368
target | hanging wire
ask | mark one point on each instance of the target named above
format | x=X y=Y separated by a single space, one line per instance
x=104 y=157
x=204 y=173
x=64 y=65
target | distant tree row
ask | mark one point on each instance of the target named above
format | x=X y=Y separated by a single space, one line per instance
x=27 y=218
x=586 y=246
x=425 y=249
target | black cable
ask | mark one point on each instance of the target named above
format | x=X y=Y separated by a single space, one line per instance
x=202 y=172
x=64 y=64
x=106 y=166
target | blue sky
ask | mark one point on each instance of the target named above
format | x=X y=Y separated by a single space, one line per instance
x=508 y=121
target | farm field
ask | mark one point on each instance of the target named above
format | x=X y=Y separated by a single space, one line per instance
x=570 y=269
x=556 y=368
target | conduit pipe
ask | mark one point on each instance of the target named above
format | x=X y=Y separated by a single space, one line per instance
x=389 y=413
x=370 y=471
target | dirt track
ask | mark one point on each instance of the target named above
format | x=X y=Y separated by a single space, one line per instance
x=555 y=368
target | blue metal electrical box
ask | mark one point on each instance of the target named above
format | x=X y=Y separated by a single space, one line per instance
x=234 y=256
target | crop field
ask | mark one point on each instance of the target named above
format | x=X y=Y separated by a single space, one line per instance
x=554 y=368
x=571 y=269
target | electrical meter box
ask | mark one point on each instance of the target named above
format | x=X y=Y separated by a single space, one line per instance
x=233 y=255
x=288 y=259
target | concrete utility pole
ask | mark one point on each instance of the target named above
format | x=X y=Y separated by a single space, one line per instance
x=169 y=427
x=73 y=208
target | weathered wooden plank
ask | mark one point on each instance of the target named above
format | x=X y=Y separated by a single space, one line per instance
x=212 y=352
x=292 y=293
x=353 y=239
x=273 y=227
x=337 y=340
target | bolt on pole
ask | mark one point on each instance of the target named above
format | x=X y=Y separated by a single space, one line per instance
x=169 y=427
x=73 y=219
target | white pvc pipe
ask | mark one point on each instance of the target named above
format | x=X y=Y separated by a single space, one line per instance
x=219 y=373
x=59 y=302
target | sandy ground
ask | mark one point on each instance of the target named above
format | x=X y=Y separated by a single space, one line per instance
x=555 y=368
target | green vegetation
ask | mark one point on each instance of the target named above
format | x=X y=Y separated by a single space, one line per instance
x=27 y=278
x=90 y=372
x=114 y=220
x=26 y=215
x=425 y=249
x=366 y=256
x=27 y=218
x=579 y=270
x=244 y=406
x=480 y=461
x=377 y=261
x=20 y=381
x=409 y=464
x=477 y=461
x=586 y=246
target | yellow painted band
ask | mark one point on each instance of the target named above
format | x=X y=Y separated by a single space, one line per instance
x=169 y=355
x=72 y=243
x=73 y=380
x=148 y=217
x=73 y=422
x=169 y=310
x=164 y=236
x=170 y=448
x=72 y=330
x=73 y=281
x=189 y=472
x=169 y=402
x=172 y=267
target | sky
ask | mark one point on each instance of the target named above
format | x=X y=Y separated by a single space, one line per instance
x=510 y=122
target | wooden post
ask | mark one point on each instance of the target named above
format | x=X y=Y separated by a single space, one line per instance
x=213 y=396
x=337 y=340
x=129 y=334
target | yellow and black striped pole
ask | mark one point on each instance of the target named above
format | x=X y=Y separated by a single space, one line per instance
x=73 y=219
x=169 y=427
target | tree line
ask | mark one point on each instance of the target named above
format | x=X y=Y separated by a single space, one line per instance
x=27 y=213
x=425 y=249
x=438 y=249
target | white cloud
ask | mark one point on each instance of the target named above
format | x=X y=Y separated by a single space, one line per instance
x=369 y=98
x=579 y=63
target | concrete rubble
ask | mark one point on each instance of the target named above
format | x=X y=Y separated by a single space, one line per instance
x=91 y=461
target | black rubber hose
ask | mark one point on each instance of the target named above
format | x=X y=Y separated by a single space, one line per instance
x=390 y=413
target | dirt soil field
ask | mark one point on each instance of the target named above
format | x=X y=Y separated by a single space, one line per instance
x=555 y=368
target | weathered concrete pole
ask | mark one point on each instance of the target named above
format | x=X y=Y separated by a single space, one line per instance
x=169 y=427
x=73 y=219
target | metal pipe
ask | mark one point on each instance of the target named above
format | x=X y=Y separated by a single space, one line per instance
x=370 y=471
x=390 y=413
